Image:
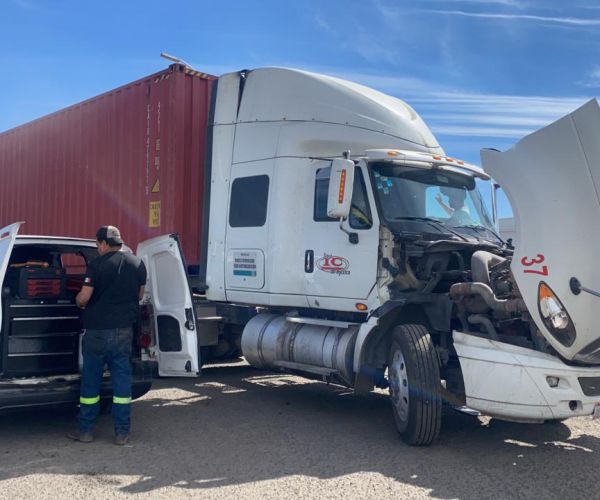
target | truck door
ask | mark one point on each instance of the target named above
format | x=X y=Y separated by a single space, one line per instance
x=7 y=241
x=335 y=267
x=167 y=288
x=248 y=231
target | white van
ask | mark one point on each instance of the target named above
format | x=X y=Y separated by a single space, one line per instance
x=40 y=324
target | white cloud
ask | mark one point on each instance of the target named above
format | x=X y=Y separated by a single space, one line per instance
x=452 y=112
x=351 y=35
x=527 y=121
x=322 y=23
x=474 y=131
x=569 y=21
x=593 y=79
x=509 y=3
x=491 y=115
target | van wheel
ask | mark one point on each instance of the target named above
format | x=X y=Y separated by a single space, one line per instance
x=415 y=388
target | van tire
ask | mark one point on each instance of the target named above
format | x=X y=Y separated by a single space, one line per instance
x=415 y=387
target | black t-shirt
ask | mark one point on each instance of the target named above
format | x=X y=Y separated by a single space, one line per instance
x=116 y=278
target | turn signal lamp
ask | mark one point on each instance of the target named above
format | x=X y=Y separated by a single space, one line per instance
x=342 y=187
x=554 y=315
x=361 y=307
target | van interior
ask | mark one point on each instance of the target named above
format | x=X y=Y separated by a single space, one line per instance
x=41 y=324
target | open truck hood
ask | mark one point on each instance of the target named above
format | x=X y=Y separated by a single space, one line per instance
x=552 y=179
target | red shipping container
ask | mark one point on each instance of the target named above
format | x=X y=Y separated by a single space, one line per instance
x=132 y=157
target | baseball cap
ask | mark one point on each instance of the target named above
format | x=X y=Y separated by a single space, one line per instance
x=110 y=234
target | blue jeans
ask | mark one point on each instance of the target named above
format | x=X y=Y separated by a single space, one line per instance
x=112 y=347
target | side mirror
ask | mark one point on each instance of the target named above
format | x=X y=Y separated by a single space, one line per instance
x=341 y=182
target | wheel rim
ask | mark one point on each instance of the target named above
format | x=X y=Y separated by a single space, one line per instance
x=398 y=379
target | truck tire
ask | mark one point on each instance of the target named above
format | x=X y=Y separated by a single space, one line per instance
x=415 y=387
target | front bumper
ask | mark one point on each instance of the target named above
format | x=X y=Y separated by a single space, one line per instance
x=510 y=382
x=59 y=390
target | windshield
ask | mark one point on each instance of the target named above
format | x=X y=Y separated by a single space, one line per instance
x=451 y=198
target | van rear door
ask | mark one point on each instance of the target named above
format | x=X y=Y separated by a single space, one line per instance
x=7 y=241
x=167 y=288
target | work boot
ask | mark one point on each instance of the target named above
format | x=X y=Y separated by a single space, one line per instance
x=82 y=437
x=121 y=439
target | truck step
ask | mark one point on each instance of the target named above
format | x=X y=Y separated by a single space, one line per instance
x=317 y=370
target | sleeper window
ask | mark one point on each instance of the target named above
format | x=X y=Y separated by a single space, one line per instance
x=248 y=205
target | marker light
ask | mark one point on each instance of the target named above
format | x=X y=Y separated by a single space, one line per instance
x=342 y=187
x=555 y=316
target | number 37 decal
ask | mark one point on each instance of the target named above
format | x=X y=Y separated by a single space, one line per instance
x=537 y=262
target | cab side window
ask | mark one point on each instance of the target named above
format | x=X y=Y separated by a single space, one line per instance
x=360 y=211
x=248 y=204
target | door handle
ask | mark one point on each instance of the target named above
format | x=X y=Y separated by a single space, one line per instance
x=309 y=261
x=189 y=319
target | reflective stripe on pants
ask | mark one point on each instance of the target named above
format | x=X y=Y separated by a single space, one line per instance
x=121 y=401
x=89 y=401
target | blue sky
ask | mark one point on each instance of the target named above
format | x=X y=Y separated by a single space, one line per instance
x=482 y=73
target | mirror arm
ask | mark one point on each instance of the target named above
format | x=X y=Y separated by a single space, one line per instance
x=495 y=188
x=352 y=237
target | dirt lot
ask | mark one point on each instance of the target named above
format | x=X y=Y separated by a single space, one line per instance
x=238 y=432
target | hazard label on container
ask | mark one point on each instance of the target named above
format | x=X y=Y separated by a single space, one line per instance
x=154 y=214
x=156 y=187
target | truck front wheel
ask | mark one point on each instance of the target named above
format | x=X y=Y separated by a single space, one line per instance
x=415 y=389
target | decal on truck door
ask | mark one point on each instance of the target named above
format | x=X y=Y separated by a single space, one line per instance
x=334 y=264
x=246 y=268
x=244 y=264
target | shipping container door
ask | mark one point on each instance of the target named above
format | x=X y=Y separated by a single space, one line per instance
x=167 y=287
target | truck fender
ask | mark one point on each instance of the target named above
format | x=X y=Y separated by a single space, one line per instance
x=364 y=332
x=365 y=375
x=372 y=337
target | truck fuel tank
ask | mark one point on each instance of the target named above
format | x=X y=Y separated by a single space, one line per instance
x=318 y=347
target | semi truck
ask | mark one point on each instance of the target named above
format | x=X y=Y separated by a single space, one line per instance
x=338 y=241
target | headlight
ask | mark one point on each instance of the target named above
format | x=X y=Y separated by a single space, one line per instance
x=554 y=315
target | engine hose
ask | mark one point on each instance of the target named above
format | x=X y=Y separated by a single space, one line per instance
x=459 y=290
x=481 y=262
x=480 y=319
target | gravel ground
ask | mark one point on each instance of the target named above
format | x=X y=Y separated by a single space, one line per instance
x=239 y=432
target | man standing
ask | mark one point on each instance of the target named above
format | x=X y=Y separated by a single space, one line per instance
x=112 y=289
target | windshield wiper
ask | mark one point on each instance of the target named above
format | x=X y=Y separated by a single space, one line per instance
x=431 y=221
x=424 y=219
x=479 y=227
